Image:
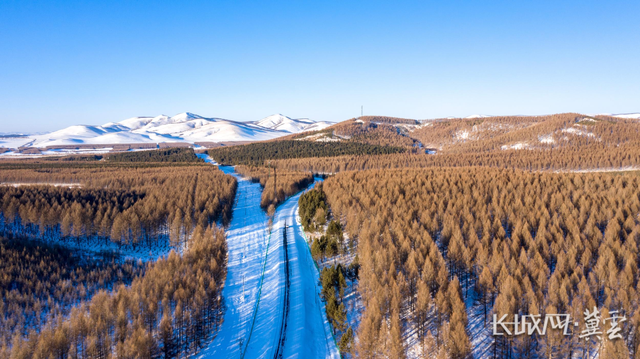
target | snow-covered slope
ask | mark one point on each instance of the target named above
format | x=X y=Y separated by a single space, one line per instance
x=184 y=127
x=627 y=115
x=292 y=125
x=477 y=116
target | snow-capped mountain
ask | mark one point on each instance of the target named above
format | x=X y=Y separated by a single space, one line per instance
x=626 y=115
x=184 y=127
x=477 y=116
x=284 y=123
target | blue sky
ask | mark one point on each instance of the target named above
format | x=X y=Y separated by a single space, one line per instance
x=92 y=62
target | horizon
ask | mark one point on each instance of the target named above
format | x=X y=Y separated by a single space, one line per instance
x=79 y=63
x=475 y=115
x=9 y=133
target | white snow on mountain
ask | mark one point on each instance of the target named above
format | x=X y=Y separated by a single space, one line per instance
x=627 y=115
x=620 y=115
x=477 y=116
x=184 y=127
x=284 y=123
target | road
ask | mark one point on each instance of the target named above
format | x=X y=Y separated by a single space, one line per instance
x=255 y=288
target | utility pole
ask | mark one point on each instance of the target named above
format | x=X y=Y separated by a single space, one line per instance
x=361 y=110
x=274 y=178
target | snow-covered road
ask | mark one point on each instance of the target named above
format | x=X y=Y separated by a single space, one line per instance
x=247 y=240
x=308 y=331
x=254 y=291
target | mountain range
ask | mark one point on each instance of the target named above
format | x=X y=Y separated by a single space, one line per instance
x=184 y=127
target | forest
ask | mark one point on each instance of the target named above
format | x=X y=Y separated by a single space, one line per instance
x=533 y=132
x=502 y=241
x=131 y=207
x=40 y=281
x=162 y=155
x=287 y=183
x=256 y=154
x=69 y=228
x=325 y=246
x=510 y=216
x=592 y=157
x=562 y=142
x=169 y=312
x=366 y=131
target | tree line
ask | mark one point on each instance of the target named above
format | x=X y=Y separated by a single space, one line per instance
x=505 y=241
x=162 y=155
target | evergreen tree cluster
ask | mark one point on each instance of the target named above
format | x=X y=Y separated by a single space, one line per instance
x=256 y=154
x=329 y=244
x=333 y=284
x=161 y=155
x=313 y=208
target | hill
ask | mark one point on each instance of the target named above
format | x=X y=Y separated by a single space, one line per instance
x=184 y=127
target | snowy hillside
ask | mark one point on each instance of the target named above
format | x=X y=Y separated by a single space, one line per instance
x=284 y=123
x=184 y=127
x=627 y=115
x=477 y=116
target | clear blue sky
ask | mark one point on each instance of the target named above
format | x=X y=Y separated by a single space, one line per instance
x=90 y=62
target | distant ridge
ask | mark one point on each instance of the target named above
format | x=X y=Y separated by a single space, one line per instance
x=184 y=127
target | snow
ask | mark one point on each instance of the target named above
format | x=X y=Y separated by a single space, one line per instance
x=578 y=132
x=425 y=124
x=546 y=139
x=477 y=116
x=628 y=115
x=183 y=127
x=283 y=123
x=208 y=159
x=247 y=240
x=462 y=135
x=69 y=185
x=621 y=115
x=308 y=333
x=255 y=285
x=94 y=245
x=515 y=146
x=328 y=139
x=594 y=170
